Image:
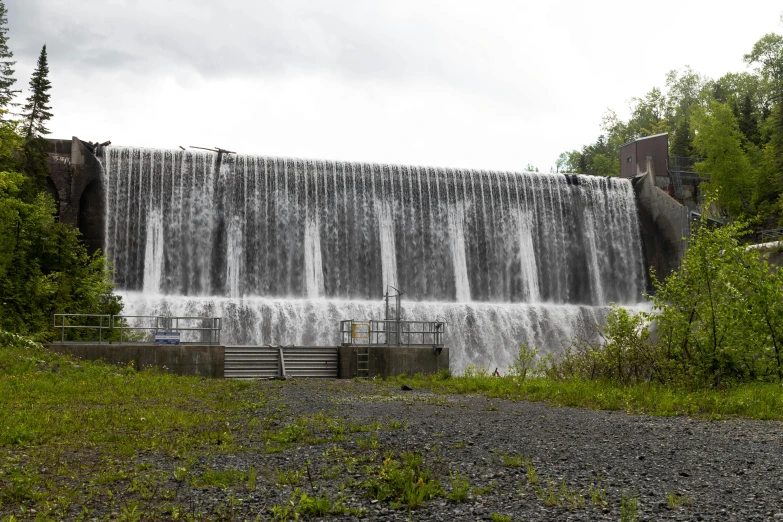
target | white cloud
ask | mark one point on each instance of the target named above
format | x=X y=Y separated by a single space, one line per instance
x=477 y=84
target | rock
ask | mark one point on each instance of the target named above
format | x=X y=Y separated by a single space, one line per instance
x=405 y=387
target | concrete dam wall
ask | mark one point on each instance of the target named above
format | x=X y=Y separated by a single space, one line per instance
x=285 y=248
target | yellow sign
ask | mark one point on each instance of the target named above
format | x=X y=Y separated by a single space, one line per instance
x=356 y=333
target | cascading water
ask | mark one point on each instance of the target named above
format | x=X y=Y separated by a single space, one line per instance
x=284 y=248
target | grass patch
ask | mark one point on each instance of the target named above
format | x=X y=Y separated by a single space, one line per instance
x=403 y=481
x=75 y=435
x=460 y=487
x=755 y=401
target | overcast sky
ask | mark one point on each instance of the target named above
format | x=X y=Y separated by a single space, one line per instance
x=482 y=84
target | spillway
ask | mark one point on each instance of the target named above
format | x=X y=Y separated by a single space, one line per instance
x=285 y=248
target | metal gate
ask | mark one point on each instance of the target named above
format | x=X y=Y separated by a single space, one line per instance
x=258 y=362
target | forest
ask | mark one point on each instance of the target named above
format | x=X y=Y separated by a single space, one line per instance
x=44 y=266
x=732 y=126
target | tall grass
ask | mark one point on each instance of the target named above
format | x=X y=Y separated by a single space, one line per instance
x=48 y=398
x=755 y=401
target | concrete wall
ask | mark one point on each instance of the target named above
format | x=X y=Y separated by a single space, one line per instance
x=183 y=359
x=76 y=183
x=389 y=361
x=664 y=223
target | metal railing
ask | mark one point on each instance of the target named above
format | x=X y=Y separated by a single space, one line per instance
x=682 y=163
x=392 y=332
x=201 y=330
x=104 y=323
x=772 y=234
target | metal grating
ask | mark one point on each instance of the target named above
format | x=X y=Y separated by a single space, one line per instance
x=259 y=362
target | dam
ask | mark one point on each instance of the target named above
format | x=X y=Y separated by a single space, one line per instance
x=285 y=248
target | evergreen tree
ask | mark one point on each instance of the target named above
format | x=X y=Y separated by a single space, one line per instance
x=37 y=110
x=682 y=145
x=6 y=64
x=748 y=122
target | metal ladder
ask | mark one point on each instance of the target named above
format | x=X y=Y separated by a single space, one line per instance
x=363 y=362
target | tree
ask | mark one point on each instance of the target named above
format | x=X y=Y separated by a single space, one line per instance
x=37 y=110
x=717 y=321
x=683 y=138
x=720 y=317
x=7 y=79
x=731 y=174
x=767 y=55
x=44 y=267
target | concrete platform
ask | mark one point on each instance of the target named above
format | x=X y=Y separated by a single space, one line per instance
x=390 y=361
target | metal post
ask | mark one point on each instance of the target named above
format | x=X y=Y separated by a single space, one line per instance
x=398 y=316
x=100 y=332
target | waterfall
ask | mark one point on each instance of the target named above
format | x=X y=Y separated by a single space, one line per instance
x=388 y=249
x=527 y=258
x=457 y=236
x=153 y=254
x=284 y=248
x=314 y=273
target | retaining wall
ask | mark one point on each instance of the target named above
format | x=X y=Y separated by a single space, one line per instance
x=183 y=359
x=664 y=223
x=389 y=361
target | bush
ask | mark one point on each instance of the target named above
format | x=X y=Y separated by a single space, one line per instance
x=717 y=321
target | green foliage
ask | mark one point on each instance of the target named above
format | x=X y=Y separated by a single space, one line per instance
x=729 y=169
x=7 y=79
x=720 y=317
x=497 y=517
x=629 y=508
x=460 y=487
x=44 y=267
x=403 y=481
x=553 y=495
x=718 y=322
x=623 y=354
x=301 y=503
x=751 y=400
x=734 y=123
x=45 y=397
x=598 y=495
x=37 y=111
x=676 y=501
x=514 y=460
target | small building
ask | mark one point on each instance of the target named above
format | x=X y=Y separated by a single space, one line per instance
x=673 y=174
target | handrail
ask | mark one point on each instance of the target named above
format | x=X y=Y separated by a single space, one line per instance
x=100 y=327
x=772 y=234
x=393 y=332
x=209 y=326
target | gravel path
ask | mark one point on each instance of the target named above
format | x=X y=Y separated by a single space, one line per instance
x=728 y=470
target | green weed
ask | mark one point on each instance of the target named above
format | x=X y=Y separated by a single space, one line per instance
x=403 y=481
x=676 y=501
x=629 y=508
x=460 y=487
x=497 y=517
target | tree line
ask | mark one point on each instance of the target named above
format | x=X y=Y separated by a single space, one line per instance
x=44 y=266
x=732 y=125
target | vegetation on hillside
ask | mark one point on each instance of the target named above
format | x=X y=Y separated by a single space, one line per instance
x=44 y=267
x=733 y=123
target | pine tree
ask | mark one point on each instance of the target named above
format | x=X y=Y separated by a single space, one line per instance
x=37 y=110
x=6 y=64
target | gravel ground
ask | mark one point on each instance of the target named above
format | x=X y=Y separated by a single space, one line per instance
x=727 y=470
